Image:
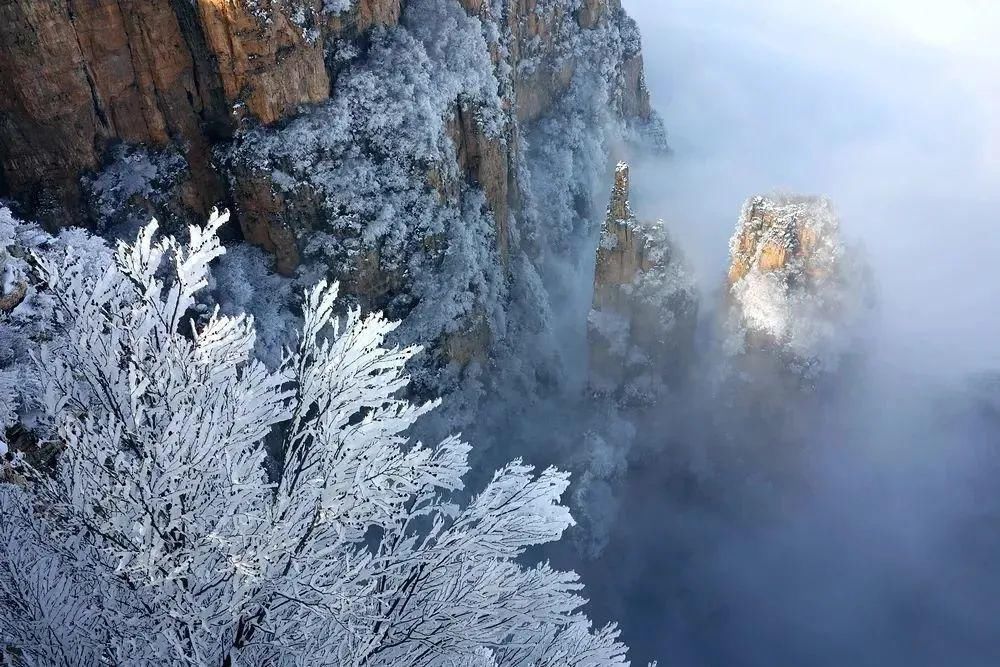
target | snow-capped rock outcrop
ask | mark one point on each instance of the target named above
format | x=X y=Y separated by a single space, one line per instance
x=642 y=324
x=795 y=287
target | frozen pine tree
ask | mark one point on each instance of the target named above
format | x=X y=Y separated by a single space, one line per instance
x=167 y=534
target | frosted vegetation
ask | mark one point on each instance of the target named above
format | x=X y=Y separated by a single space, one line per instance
x=205 y=509
x=241 y=282
x=375 y=177
x=136 y=181
x=337 y=6
x=232 y=477
x=363 y=159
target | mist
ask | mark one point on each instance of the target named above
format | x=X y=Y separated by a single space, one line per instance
x=887 y=107
x=863 y=527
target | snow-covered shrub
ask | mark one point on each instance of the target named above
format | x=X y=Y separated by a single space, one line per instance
x=603 y=460
x=27 y=316
x=136 y=184
x=241 y=281
x=160 y=539
x=365 y=156
x=337 y=6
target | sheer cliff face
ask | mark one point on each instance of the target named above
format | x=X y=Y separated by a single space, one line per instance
x=408 y=148
x=796 y=288
x=80 y=76
x=642 y=324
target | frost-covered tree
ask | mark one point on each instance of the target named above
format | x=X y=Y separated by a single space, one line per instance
x=26 y=313
x=206 y=510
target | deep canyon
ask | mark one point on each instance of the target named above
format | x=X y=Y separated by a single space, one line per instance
x=732 y=274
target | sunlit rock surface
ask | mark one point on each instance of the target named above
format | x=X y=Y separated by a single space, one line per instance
x=795 y=287
x=642 y=324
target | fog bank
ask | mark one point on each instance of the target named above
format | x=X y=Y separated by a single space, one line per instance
x=886 y=552
x=887 y=107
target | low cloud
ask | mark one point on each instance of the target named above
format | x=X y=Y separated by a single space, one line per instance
x=887 y=555
x=887 y=107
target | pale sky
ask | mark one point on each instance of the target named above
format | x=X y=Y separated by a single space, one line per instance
x=890 y=107
x=964 y=26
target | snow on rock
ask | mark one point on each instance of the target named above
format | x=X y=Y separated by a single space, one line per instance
x=438 y=157
x=641 y=327
x=795 y=287
x=368 y=186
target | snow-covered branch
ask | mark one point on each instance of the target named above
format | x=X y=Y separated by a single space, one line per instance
x=161 y=538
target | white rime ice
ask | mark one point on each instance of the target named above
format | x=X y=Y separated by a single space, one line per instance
x=205 y=510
